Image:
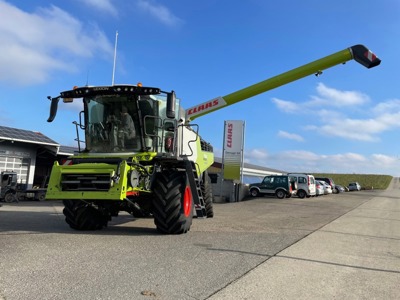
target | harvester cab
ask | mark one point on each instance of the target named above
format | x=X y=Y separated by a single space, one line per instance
x=142 y=155
x=124 y=118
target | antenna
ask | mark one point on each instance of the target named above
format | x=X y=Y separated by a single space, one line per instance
x=115 y=56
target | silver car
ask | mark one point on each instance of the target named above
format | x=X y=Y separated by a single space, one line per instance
x=319 y=188
x=354 y=186
x=327 y=187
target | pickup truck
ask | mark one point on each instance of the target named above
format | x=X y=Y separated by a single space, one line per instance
x=279 y=185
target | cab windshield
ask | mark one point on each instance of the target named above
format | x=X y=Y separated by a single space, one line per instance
x=113 y=123
x=121 y=123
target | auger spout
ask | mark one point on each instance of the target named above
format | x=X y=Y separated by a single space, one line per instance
x=359 y=53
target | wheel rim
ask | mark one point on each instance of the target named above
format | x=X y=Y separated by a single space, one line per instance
x=187 y=201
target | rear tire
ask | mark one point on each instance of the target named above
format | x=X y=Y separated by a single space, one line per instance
x=83 y=216
x=173 y=203
x=41 y=196
x=280 y=194
x=206 y=189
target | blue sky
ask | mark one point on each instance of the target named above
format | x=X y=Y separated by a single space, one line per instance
x=345 y=121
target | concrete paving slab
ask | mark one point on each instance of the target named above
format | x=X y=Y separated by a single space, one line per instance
x=356 y=256
x=290 y=278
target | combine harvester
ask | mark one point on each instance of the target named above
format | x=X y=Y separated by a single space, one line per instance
x=143 y=156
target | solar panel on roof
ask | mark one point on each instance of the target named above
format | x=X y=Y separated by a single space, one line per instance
x=24 y=135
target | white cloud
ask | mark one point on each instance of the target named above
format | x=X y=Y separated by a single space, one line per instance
x=360 y=129
x=294 y=161
x=160 y=12
x=353 y=129
x=255 y=155
x=390 y=120
x=390 y=106
x=385 y=161
x=307 y=161
x=326 y=97
x=290 y=136
x=334 y=122
x=102 y=5
x=45 y=41
x=299 y=155
x=286 y=106
x=336 y=97
x=348 y=158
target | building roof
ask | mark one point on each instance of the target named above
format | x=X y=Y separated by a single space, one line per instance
x=25 y=136
x=250 y=167
x=67 y=150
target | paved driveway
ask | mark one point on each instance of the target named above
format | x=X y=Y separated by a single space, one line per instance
x=263 y=248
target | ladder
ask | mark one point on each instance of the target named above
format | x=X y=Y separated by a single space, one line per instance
x=194 y=181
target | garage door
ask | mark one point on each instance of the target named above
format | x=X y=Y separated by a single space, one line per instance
x=18 y=165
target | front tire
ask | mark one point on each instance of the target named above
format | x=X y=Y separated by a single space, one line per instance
x=254 y=193
x=10 y=197
x=83 y=216
x=173 y=203
x=302 y=194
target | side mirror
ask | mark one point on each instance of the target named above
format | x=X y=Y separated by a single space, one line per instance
x=53 y=108
x=171 y=104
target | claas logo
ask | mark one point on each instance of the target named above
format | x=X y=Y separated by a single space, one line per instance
x=203 y=107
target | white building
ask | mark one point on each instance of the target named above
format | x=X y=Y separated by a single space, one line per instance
x=28 y=153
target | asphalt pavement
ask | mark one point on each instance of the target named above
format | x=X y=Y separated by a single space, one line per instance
x=344 y=246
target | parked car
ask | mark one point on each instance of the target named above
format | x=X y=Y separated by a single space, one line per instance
x=279 y=185
x=354 y=186
x=319 y=188
x=305 y=184
x=339 y=188
x=328 y=181
x=327 y=187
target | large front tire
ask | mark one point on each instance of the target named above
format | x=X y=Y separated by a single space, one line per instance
x=83 y=216
x=173 y=203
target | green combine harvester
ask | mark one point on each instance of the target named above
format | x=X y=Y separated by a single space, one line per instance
x=142 y=155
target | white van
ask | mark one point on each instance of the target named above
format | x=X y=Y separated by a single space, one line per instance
x=305 y=185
